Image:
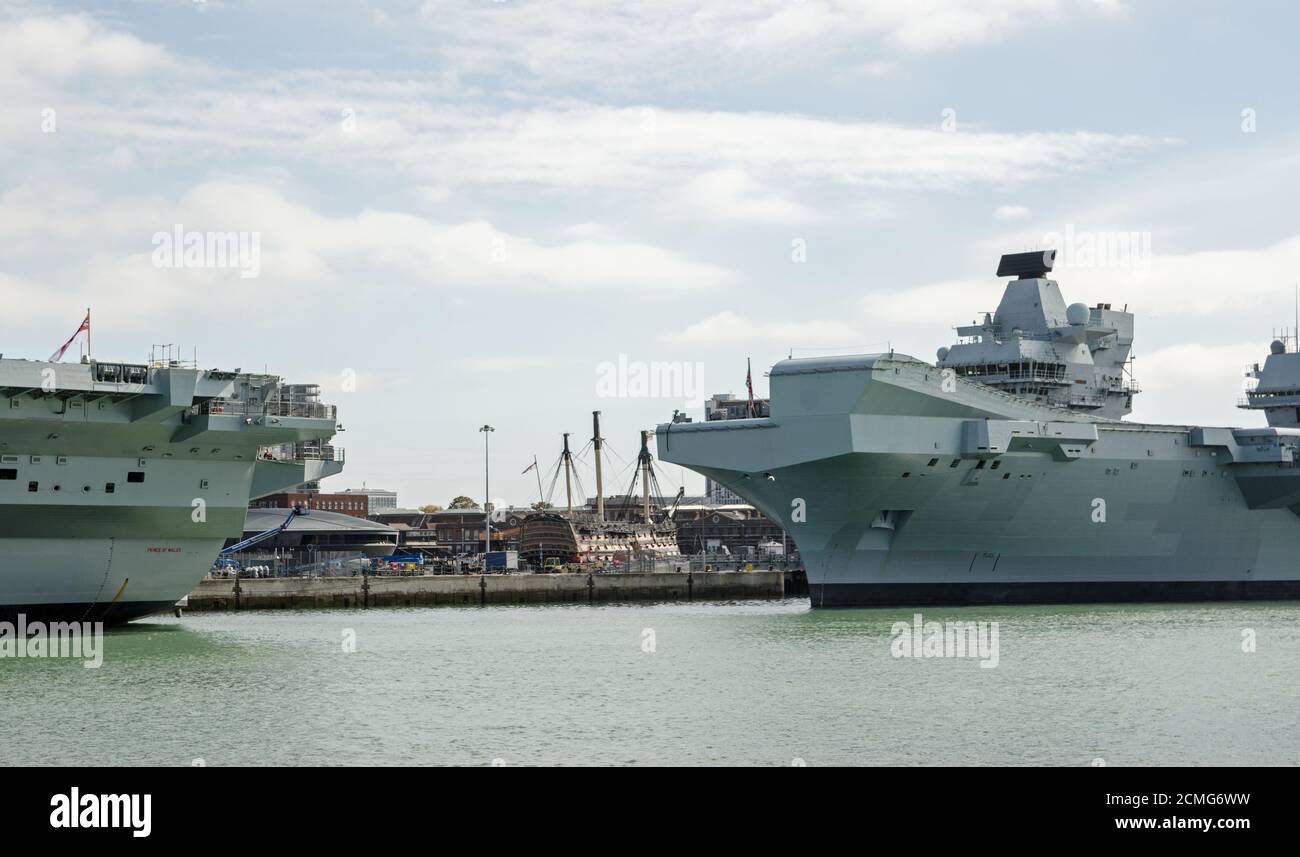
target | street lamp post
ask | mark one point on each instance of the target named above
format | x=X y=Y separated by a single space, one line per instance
x=487 y=497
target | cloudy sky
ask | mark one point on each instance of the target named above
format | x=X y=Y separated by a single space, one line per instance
x=478 y=209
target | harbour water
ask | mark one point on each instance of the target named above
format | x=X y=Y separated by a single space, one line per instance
x=744 y=683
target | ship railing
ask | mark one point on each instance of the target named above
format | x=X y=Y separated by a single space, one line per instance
x=1003 y=333
x=238 y=407
x=302 y=452
x=329 y=453
x=1269 y=400
x=309 y=410
x=1271 y=395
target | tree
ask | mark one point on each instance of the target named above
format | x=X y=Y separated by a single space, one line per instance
x=430 y=507
x=463 y=502
x=542 y=505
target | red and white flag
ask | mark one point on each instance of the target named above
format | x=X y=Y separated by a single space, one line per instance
x=528 y=468
x=749 y=385
x=85 y=328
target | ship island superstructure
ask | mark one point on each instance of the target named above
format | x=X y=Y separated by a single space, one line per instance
x=1039 y=349
x=1275 y=386
x=120 y=482
x=1003 y=473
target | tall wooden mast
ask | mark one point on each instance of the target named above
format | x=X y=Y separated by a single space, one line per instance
x=645 y=475
x=568 y=478
x=600 y=482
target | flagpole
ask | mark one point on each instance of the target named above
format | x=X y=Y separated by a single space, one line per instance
x=749 y=385
x=538 y=472
x=88 y=333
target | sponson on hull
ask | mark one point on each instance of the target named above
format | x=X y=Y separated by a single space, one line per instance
x=1003 y=472
x=119 y=482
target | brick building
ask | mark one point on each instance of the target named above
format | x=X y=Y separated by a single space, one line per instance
x=355 y=505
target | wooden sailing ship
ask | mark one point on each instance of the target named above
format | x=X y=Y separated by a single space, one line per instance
x=588 y=537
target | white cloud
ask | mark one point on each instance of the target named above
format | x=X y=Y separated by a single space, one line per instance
x=59 y=47
x=62 y=221
x=727 y=327
x=122 y=158
x=433 y=195
x=751 y=166
x=945 y=24
x=880 y=68
x=1198 y=284
x=502 y=363
x=580 y=147
x=1196 y=384
x=37 y=301
x=91 y=247
x=950 y=302
x=672 y=41
x=729 y=194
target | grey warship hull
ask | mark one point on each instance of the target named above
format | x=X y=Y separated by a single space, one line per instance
x=903 y=484
x=120 y=483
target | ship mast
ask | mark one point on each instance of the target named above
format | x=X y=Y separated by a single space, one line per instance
x=600 y=484
x=568 y=479
x=645 y=476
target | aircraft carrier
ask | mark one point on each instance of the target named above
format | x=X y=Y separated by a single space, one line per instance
x=119 y=483
x=1003 y=472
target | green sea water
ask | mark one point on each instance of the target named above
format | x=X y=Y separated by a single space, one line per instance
x=748 y=683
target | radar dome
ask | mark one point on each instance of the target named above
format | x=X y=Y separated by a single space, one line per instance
x=942 y=354
x=1277 y=347
x=1077 y=314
